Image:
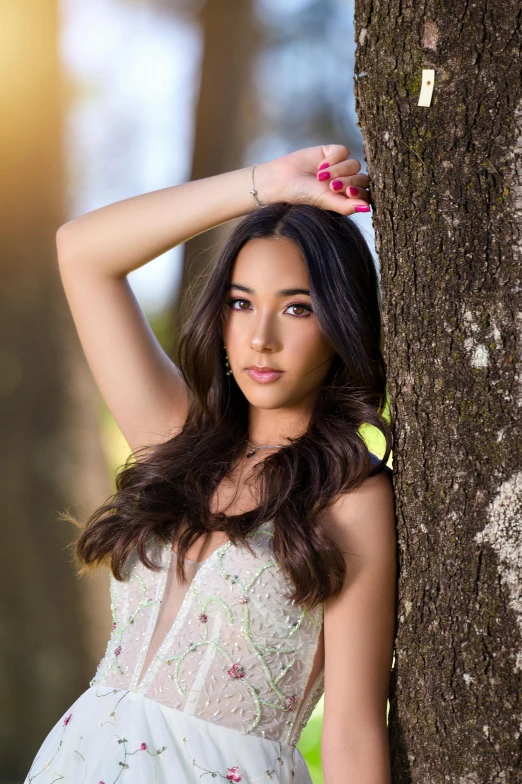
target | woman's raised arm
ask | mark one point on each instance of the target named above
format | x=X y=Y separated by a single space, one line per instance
x=141 y=385
x=121 y=237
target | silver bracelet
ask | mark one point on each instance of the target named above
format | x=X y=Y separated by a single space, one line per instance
x=254 y=192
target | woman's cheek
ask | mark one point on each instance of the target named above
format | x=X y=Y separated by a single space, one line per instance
x=308 y=351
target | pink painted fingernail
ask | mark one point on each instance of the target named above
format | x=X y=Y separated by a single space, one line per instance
x=362 y=208
x=324 y=175
x=353 y=191
x=323 y=166
x=337 y=185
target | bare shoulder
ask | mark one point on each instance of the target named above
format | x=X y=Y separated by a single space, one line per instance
x=374 y=491
x=375 y=497
x=362 y=521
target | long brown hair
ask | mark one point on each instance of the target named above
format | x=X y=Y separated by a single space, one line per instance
x=160 y=487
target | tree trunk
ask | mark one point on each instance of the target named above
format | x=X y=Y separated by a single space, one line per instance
x=54 y=627
x=446 y=182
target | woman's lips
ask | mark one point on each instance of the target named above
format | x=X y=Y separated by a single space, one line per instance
x=264 y=376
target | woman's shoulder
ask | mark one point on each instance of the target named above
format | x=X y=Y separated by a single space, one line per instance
x=374 y=496
x=367 y=510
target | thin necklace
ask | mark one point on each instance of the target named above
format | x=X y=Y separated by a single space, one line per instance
x=263 y=446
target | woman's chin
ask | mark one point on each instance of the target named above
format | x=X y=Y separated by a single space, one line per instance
x=265 y=402
x=268 y=399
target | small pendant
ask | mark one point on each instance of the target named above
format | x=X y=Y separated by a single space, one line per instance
x=252 y=452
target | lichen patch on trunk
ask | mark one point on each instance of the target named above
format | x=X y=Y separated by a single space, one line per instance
x=504 y=533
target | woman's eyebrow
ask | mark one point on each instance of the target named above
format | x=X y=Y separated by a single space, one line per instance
x=280 y=293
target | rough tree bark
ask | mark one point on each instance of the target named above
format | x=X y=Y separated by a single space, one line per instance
x=447 y=190
x=53 y=627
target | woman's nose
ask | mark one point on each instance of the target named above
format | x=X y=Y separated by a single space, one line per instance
x=263 y=337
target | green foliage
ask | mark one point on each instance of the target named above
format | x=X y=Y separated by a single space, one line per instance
x=374 y=439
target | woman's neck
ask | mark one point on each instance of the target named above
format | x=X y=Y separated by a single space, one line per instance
x=276 y=427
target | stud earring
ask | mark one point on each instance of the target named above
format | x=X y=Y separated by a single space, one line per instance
x=229 y=372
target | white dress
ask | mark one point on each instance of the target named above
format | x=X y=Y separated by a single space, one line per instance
x=212 y=679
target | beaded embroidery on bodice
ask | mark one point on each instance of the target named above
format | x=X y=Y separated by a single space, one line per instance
x=235 y=650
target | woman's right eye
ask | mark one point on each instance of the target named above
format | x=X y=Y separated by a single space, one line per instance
x=231 y=302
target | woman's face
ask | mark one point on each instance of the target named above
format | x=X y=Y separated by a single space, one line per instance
x=269 y=321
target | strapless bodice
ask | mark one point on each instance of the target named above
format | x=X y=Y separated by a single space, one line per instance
x=235 y=650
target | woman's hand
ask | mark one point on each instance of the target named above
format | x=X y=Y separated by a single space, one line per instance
x=322 y=176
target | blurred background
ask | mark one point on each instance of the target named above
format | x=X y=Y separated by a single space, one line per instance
x=102 y=101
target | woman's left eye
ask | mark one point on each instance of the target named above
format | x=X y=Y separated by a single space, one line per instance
x=300 y=305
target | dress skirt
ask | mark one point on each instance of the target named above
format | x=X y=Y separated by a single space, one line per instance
x=111 y=736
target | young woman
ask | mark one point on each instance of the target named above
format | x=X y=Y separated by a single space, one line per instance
x=251 y=539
